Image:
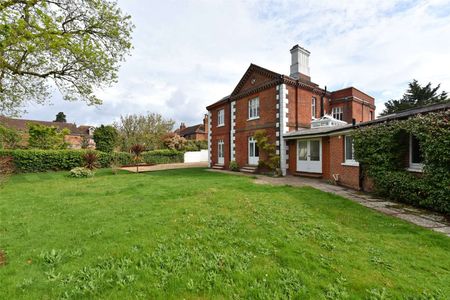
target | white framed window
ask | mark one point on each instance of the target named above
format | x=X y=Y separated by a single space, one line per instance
x=349 y=152
x=253 y=108
x=313 y=107
x=338 y=113
x=221 y=117
x=415 y=154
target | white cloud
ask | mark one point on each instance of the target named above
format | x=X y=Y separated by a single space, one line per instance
x=189 y=54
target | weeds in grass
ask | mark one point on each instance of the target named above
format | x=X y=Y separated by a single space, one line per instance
x=337 y=290
x=377 y=294
x=52 y=257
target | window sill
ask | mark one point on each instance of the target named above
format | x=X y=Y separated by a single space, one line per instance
x=221 y=125
x=350 y=164
x=251 y=119
x=415 y=170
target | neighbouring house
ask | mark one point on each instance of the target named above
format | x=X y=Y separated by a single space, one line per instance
x=197 y=132
x=77 y=137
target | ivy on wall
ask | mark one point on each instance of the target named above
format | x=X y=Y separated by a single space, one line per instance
x=382 y=151
x=272 y=160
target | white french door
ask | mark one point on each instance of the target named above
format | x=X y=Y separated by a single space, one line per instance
x=309 y=156
x=253 y=152
x=220 y=152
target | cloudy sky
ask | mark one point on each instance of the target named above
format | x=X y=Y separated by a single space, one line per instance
x=188 y=54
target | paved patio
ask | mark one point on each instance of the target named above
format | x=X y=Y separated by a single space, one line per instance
x=420 y=217
x=161 y=167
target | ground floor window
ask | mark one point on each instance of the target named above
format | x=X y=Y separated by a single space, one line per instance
x=253 y=151
x=349 y=151
x=415 y=154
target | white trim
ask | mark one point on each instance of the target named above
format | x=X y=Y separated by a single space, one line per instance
x=254 y=118
x=233 y=130
x=415 y=169
x=350 y=163
x=209 y=139
x=283 y=98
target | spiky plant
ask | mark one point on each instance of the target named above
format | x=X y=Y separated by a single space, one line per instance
x=90 y=160
x=137 y=150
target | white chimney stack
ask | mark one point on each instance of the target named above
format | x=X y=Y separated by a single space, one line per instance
x=299 y=62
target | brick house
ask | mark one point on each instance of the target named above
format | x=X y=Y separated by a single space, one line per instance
x=197 y=132
x=78 y=134
x=297 y=115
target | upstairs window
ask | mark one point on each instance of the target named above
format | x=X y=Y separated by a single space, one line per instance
x=338 y=113
x=221 y=117
x=415 y=154
x=253 y=109
x=313 y=107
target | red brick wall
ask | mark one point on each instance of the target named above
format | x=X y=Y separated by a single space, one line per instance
x=244 y=128
x=292 y=146
x=348 y=175
x=301 y=114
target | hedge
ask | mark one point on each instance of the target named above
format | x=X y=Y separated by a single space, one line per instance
x=30 y=161
x=381 y=150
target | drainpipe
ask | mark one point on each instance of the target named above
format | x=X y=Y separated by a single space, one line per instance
x=296 y=106
x=321 y=103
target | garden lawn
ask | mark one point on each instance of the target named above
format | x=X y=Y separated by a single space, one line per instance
x=196 y=234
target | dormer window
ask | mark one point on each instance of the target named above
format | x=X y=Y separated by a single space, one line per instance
x=338 y=113
x=221 y=118
x=253 y=108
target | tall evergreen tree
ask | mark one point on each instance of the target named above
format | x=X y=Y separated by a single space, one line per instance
x=61 y=117
x=416 y=96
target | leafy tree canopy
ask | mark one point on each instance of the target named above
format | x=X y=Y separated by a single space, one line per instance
x=416 y=96
x=74 y=45
x=60 y=117
x=46 y=137
x=149 y=130
x=105 y=138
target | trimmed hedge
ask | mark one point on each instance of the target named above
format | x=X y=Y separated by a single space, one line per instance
x=31 y=161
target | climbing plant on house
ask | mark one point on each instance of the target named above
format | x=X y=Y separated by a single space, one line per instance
x=383 y=151
x=272 y=160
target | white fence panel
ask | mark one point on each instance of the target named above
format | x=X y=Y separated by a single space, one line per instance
x=196 y=156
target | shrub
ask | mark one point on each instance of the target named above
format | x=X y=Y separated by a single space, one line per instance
x=6 y=168
x=91 y=160
x=46 y=137
x=137 y=150
x=192 y=145
x=9 y=138
x=174 y=142
x=272 y=161
x=29 y=161
x=105 y=138
x=234 y=166
x=163 y=156
x=80 y=172
x=380 y=150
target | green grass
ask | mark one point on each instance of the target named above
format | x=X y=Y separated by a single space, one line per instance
x=196 y=234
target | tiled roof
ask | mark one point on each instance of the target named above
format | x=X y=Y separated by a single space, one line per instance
x=199 y=128
x=21 y=125
x=397 y=116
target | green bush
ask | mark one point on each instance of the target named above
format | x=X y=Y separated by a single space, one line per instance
x=163 y=156
x=80 y=172
x=381 y=150
x=234 y=166
x=192 y=145
x=31 y=161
